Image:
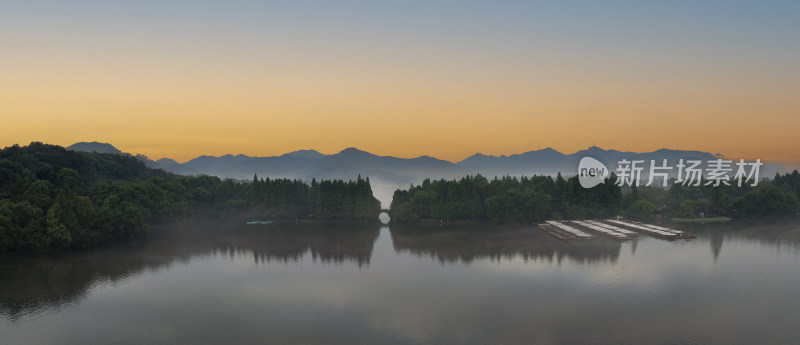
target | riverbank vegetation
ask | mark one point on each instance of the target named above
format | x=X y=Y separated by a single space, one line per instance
x=507 y=200
x=526 y=200
x=775 y=197
x=53 y=198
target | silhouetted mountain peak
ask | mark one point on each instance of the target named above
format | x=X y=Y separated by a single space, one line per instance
x=478 y=157
x=593 y=150
x=429 y=159
x=96 y=147
x=352 y=151
x=166 y=161
x=304 y=154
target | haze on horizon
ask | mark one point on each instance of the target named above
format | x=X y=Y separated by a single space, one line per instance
x=447 y=79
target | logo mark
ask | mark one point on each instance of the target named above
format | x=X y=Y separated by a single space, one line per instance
x=591 y=172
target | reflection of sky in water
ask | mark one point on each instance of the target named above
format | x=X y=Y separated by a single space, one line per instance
x=412 y=287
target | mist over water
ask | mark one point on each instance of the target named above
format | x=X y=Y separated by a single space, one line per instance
x=210 y=282
x=383 y=191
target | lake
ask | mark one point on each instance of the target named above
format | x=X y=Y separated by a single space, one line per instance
x=215 y=283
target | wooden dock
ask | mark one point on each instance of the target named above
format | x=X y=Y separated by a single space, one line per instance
x=617 y=235
x=644 y=229
x=612 y=228
x=552 y=230
x=630 y=233
x=564 y=228
x=681 y=234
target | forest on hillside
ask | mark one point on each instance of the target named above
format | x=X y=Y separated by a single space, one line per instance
x=52 y=198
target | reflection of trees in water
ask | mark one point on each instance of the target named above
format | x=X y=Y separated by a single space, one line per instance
x=784 y=233
x=329 y=244
x=28 y=284
x=767 y=233
x=716 y=239
x=528 y=243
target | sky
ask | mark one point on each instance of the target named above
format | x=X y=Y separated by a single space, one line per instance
x=406 y=78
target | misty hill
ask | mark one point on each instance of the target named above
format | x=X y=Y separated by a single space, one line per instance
x=388 y=173
x=550 y=162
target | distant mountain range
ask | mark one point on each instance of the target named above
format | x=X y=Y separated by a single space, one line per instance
x=389 y=173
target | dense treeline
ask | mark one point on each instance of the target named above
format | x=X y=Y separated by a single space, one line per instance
x=770 y=198
x=508 y=200
x=53 y=198
x=528 y=200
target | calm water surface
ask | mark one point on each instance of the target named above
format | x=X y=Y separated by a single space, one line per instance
x=302 y=284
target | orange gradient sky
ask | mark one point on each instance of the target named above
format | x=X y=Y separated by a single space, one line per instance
x=172 y=79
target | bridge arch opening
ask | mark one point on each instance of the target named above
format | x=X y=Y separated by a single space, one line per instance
x=384 y=217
